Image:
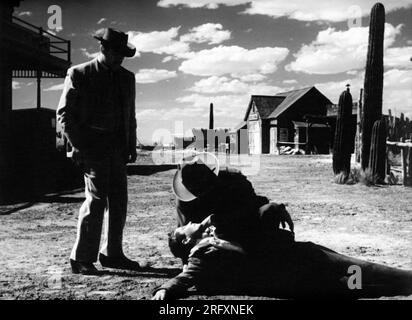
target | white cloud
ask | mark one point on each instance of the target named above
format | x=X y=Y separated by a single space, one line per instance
x=329 y=10
x=215 y=85
x=159 y=42
x=252 y=77
x=210 y=33
x=168 y=114
x=333 y=89
x=101 y=20
x=397 y=93
x=291 y=81
x=154 y=75
x=90 y=55
x=56 y=87
x=338 y=51
x=235 y=60
x=229 y=106
x=209 y=4
x=398 y=57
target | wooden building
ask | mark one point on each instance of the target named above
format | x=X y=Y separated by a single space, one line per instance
x=28 y=137
x=294 y=118
x=212 y=140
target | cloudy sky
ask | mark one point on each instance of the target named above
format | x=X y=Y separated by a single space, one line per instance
x=194 y=52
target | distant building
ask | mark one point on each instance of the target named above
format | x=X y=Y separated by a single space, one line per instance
x=239 y=142
x=295 y=118
x=182 y=142
x=212 y=140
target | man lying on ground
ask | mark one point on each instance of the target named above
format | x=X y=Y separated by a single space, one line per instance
x=283 y=269
x=240 y=248
x=201 y=188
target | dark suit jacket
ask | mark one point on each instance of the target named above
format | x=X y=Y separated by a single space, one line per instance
x=83 y=93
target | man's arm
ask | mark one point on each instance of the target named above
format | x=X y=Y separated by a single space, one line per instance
x=132 y=124
x=272 y=215
x=66 y=110
x=178 y=286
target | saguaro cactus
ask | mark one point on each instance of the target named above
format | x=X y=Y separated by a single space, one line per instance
x=377 y=158
x=373 y=85
x=343 y=135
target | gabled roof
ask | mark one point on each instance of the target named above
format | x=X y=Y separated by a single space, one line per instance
x=264 y=104
x=270 y=107
x=290 y=97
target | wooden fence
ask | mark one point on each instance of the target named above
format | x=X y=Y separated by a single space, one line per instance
x=400 y=138
x=399 y=129
x=406 y=158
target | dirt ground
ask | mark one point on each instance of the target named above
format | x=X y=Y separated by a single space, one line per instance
x=371 y=223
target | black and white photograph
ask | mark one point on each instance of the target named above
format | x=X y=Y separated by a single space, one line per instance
x=212 y=150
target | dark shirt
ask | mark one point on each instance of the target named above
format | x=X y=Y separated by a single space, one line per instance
x=234 y=205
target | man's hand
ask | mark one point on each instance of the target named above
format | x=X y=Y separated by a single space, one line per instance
x=276 y=214
x=76 y=156
x=132 y=156
x=160 y=295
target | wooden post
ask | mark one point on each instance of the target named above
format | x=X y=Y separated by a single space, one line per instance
x=404 y=172
x=409 y=182
x=358 y=137
x=388 y=165
x=6 y=10
x=38 y=76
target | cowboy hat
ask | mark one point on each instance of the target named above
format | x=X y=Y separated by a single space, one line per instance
x=117 y=41
x=195 y=176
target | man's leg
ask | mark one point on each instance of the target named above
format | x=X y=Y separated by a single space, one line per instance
x=91 y=213
x=376 y=280
x=328 y=274
x=117 y=194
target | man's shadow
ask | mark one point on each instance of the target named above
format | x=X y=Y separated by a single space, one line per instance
x=147 y=170
x=147 y=272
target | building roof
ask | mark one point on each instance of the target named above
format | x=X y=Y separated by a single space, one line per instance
x=239 y=126
x=270 y=107
x=290 y=97
x=264 y=104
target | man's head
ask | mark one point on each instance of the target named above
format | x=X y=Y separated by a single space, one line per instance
x=111 y=58
x=114 y=47
x=196 y=177
x=184 y=238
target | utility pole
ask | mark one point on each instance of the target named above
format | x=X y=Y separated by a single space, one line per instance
x=211 y=120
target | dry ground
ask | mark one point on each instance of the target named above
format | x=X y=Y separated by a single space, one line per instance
x=372 y=223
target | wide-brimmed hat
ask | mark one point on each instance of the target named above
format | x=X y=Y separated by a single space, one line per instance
x=196 y=175
x=116 y=40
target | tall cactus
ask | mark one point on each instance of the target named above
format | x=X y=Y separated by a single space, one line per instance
x=343 y=135
x=377 y=158
x=373 y=85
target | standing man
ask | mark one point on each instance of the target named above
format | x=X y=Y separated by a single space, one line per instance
x=97 y=113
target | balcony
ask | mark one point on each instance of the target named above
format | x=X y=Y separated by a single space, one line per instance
x=31 y=50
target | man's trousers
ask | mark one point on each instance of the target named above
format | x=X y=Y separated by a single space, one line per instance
x=106 y=192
